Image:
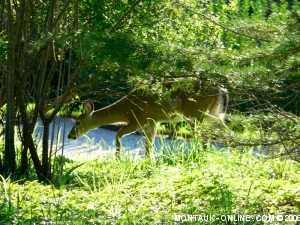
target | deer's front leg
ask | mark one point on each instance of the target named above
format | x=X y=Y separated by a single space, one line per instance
x=129 y=128
x=150 y=130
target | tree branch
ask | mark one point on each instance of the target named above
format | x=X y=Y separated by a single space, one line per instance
x=68 y=89
x=124 y=16
x=58 y=19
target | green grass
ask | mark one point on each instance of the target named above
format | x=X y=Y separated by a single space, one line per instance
x=154 y=191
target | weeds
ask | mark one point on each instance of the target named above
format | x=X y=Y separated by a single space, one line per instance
x=201 y=181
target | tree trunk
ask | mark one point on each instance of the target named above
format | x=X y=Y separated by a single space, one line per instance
x=9 y=154
x=28 y=77
x=45 y=153
x=26 y=131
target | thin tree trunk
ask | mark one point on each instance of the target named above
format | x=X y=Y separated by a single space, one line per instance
x=35 y=159
x=26 y=131
x=10 y=156
x=45 y=153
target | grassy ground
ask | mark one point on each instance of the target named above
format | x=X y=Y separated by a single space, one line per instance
x=174 y=188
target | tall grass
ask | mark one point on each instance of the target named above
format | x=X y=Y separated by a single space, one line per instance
x=158 y=190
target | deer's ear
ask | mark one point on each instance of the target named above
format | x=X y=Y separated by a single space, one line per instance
x=88 y=107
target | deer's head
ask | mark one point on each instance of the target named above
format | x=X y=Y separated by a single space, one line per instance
x=83 y=123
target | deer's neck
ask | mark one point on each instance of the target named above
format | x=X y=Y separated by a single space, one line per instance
x=108 y=115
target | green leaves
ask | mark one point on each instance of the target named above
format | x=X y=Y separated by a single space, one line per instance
x=66 y=176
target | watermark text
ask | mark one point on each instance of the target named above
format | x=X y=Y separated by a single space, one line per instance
x=236 y=218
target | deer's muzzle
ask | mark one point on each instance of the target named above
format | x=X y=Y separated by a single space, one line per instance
x=70 y=137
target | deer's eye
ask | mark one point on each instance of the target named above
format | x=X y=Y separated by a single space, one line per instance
x=78 y=123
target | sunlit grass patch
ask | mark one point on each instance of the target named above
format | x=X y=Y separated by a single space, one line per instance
x=152 y=191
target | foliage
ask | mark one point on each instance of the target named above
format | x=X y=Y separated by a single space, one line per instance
x=63 y=51
x=132 y=191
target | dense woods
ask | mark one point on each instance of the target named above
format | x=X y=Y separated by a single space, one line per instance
x=60 y=52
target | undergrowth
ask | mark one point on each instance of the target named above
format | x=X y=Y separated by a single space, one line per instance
x=164 y=189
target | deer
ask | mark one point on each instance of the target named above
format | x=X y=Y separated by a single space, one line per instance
x=144 y=112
